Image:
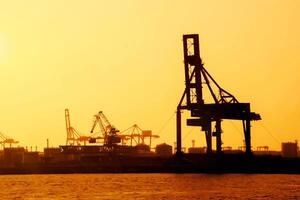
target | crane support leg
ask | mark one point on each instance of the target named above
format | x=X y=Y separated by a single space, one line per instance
x=247 y=133
x=218 y=136
x=208 y=141
x=178 y=131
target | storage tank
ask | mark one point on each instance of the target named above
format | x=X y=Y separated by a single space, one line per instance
x=163 y=150
x=289 y=149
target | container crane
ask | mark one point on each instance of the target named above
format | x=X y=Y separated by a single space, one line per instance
x=224 y=106
x=109 y=132
x=136 y=134
x=73 y=137
x=7 y=140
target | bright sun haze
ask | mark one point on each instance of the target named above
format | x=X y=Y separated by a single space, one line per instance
x=126 y=59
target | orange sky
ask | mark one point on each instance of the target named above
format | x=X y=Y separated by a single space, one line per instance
x=126 y=59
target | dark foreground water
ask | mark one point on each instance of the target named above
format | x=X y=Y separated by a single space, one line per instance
x=150 y=186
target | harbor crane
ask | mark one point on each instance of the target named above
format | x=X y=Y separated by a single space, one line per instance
x=224 y=105
x=73 y=137
x=4 y=139
x=136 y=134
x=109 y=132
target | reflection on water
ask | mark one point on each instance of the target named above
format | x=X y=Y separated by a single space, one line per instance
x=150 y=186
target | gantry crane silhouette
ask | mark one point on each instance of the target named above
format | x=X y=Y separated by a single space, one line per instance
x=224 y=106
x=73 y=137
x=138 y=135
x=4 y=139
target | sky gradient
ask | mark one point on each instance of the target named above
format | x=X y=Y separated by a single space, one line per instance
x=126 y=59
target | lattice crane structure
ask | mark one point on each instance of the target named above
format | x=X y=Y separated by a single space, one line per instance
x=138 y=135
x=224 y=106
x=4 y=139
x=109 y=132
x=73 y=137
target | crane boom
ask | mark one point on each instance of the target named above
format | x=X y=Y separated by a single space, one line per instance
x=109 y=132
x=7 y=140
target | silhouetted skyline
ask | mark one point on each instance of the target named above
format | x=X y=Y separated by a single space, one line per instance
x=127 y=60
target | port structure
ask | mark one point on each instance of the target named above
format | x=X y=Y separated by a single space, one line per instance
x=138 y=135
x=224 y=105
x=4 y=139
x=73 y=137
x=110 y=134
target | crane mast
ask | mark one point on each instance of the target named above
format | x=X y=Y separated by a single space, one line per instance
x=73 y=137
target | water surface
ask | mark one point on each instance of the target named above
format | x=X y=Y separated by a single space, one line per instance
x=150 y=186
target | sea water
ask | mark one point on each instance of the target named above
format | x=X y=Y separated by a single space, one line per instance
x=150 y=186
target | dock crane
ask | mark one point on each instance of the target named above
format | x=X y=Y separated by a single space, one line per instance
x=109 y=132
x=73 y=137
x=4 y=139
x=224 y=106
x=136 y=134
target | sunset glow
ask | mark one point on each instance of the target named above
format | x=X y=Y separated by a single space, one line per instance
x=125 y=58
